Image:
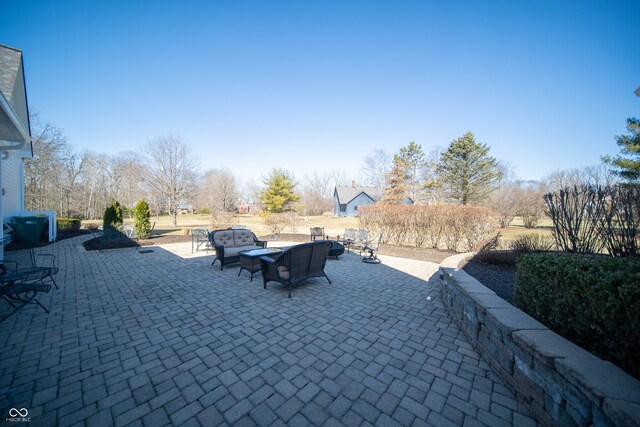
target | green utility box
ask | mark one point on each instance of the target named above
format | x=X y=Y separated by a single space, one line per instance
x=29 y=228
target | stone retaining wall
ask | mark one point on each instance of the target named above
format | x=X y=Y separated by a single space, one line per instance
x=561 y=383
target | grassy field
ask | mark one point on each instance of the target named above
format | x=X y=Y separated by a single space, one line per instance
x=333 y=226
x=164 y=224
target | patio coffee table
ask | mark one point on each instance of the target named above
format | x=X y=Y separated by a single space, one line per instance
x=250 y=260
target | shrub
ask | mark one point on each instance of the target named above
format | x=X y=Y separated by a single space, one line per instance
x=592 y=300
x=142 y=215
x=277 y=222
x=530 y=243
x=68 y=225
x=454 y=227
x=222 y=219
x=588 y=219
x=113 y=215
x=620 y=223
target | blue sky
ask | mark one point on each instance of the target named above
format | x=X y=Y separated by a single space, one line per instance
x=317 y=85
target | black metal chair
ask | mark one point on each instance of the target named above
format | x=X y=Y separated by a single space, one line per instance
x=20 y=287
x=296 y=264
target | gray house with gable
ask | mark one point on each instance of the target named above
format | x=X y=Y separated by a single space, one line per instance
x=348 y=198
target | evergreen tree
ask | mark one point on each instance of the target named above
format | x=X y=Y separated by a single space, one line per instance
x=467 y=171
x=279 y=195
x=119 y=217
x=112 y=215
x=396 y=189
x=141 y=215
x=627 y=163
x=414 y=161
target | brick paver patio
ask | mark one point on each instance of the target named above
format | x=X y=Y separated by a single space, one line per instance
x=155 y=338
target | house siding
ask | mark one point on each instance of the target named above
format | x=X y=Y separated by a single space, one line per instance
x=336 y=205
x=11 y=183
x=360 y=200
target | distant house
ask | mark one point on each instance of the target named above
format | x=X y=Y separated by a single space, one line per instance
x=185 y=208
x=348 y=198
x=15 y=140
x=252 y=205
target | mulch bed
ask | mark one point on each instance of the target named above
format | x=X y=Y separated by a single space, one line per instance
x=500 y=278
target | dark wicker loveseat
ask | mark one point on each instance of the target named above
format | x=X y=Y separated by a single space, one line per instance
x=296 y=264
x=227 y=244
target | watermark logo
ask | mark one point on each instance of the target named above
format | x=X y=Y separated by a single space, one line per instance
x=18 y=416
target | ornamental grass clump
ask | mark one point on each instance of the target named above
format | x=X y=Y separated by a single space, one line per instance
x=592 y=300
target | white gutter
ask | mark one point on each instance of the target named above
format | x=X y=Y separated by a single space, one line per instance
x=8 y=110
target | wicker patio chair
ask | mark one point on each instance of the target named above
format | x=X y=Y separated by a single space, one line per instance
x=296 y=264
x=228 y=243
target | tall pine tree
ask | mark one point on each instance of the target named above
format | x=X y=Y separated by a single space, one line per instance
x=627 y=163
x=466 y=170
x=279 y=195
x=396 y=189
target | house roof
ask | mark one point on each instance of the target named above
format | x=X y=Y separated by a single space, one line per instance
x=10 y=60
x=347 y=193
x=14 y=115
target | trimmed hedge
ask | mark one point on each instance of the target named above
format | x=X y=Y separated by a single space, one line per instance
x=592 y=300
x=68 y=225
x=452 y=227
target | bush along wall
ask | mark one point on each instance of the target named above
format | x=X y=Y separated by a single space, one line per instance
x=452 y=227
x=68 y=225
x=592 y=300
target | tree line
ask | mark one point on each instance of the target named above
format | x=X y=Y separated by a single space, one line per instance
x=167 y=174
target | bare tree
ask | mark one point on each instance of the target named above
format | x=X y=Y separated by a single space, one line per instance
x=431 y=189
x=127 y=169
x=339 y=177
x=316 y=193
x=171 y=170
x=589 y=175
x=41 y=173
x=219 y=190
x=375 y=167
x=96 y=185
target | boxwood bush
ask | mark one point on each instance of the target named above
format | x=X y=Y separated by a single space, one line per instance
x=68 y=225
x=592 y=300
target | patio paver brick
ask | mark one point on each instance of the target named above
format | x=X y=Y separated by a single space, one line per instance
x=163 y=337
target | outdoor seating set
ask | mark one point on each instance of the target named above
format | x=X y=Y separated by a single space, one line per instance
x=23 y=279
x=284 y=265
x=359 y=240
x=288 y=266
